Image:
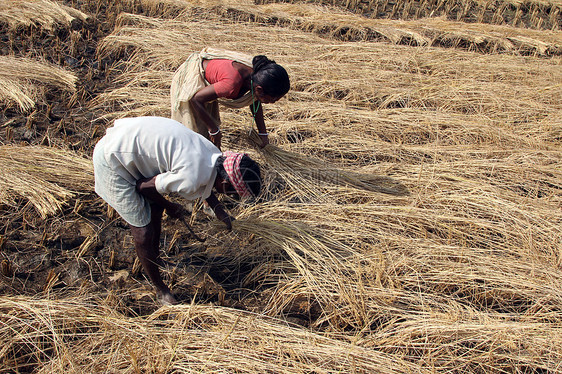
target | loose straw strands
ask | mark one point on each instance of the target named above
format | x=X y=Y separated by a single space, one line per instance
x=405 y=126
x=23 y=95
x=535 y=14
x=73 y=334
x=397 y=77
x=146 y=35
x=306 y=174
x=362 y=137
x=466 y=219
x=327 y=270
x=46 y=177
x=333 y=23
x=365 y=75
x=44 y=13
x=471 y=204
x=20 y=78
x=353 y=280
x=479 y=345
x=144 y=93
x=330 y=22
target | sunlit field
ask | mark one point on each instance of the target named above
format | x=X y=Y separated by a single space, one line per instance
x=410 y=219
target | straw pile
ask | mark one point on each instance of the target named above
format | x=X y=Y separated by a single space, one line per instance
x=424 y=79
x=21 y=80
x=333 y=23
x=46 y=177
x=42 y=13
x=306 y=174
x=325 y=274
x=85 y=335
x=532 y=14
x=329 y=22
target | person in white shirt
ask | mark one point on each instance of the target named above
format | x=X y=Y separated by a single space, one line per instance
x=141 y=159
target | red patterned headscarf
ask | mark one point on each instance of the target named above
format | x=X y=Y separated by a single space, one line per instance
x=232 y=167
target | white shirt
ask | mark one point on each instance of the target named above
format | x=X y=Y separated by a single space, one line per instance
x=182 y=160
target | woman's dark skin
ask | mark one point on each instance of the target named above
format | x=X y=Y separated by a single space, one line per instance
x=208 y=94
x=147 y=238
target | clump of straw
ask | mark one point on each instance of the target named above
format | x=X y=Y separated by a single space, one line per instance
x=46 y=177
x=77 y=334
x=305 y=174
x=20 y=79
x=44 y=13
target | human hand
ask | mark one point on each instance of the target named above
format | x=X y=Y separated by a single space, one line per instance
x=225 y=217
x=264 y=140
x=175 y=210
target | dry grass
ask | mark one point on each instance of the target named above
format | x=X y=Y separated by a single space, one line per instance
x=460 y=275
x=331 y=23
x=43 y=13
x=306 y=174
x=21 y=80
x=77 y=335
x=536 y=14
x=337 y=24
x=517 y=89
x=46 y=177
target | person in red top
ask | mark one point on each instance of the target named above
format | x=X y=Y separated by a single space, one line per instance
x=263 y=82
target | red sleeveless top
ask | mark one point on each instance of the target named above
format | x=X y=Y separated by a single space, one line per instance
x=226 y=80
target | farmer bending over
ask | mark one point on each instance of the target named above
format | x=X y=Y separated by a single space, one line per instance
x=235 y=79
x=140 y=159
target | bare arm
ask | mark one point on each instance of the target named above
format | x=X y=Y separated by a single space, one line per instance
x=260 y=123
x=217 y=207
x=147 y=188
x=198 y=101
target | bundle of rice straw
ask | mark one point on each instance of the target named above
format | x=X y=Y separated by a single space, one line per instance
x=46 y=177
x=305 y=174
x=43 y=13
x=21 y=80
x=82 y=334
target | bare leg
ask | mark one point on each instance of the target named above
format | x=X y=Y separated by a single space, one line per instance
x=147 y=240
x=156 y=222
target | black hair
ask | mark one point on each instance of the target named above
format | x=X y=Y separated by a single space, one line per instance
x=220 y=169
x=250 y=170
x=251 y=174
x=272 y=77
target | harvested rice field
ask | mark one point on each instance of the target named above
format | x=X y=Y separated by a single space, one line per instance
x=411 y=213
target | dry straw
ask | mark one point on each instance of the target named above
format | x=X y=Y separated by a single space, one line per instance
x=43 y=13
x=46 y=177
x=378 y=76
x=426 y=79
x=334 y=23
x=71 y=335
x=533 y=14
x=306 y=174
x=462 y=275
x=414 y=296
x=21 y=80
x=484 y=260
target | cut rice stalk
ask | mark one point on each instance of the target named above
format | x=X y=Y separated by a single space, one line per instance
x=46 y=177
x=305 y=173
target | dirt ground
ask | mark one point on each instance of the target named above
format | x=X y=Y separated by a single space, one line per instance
x=87 y=249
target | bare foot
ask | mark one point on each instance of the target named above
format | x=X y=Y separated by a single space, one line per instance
x=166 y=298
